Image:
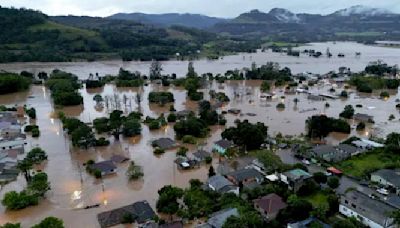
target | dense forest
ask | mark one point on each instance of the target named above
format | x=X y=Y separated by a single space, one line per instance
x=29 y=35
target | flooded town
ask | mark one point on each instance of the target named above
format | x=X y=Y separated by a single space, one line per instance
x=302 y=135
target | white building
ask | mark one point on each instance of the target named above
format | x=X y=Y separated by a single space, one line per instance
x=372 y=213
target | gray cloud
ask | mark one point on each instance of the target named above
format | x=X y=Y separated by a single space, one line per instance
x=220 y=8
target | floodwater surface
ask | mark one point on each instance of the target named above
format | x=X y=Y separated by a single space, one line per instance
x=72 y=188
x=301 y=64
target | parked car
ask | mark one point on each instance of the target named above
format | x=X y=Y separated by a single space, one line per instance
x=305 y=162
x=383 y=191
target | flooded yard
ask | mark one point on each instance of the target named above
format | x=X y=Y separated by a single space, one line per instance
x=301 y=64
x=71 y=186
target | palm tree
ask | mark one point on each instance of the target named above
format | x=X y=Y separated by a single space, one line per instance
x=25 y=166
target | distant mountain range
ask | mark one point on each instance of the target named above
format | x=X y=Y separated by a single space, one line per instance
x=358 y=23
x=188 y=20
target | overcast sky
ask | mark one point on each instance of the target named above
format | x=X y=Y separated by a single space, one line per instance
x=218 y=8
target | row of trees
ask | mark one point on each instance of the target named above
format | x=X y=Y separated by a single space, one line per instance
x=64 y=88
x=10 y=83
x=49 y=222
x=38 y=185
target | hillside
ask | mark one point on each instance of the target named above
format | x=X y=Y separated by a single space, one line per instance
x=355 y=23
x=166 y=20
x=28 y=35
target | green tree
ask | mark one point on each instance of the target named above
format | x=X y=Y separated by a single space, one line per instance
x=265 y=86
x=131 y=128
x=36 y=155
x=39 y=184
x=155 y=70
x=134 y=171
x=248 y=135
x=191 y=72
x=11 y=225
x=320 y=177
x=348 y=112
x=50 y=222
x=168 y=199
x=333 y=182
x=83 y=136
x=25 y=166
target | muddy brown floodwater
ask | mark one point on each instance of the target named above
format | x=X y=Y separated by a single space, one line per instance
x=304 y=63
x=73 y=188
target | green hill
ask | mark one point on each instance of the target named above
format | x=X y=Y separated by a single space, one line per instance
x=28 y=35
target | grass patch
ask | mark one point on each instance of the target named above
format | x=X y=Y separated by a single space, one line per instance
x=363 y=165
x=358 y=34
x=318 y=199
x=50 y=25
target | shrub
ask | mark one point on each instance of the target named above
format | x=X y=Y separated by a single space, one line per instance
x=171 y=118
x=280 y=106
x=195 y=96
x=384 y=95
x=153 y=125
x=35 y=132
x=31 y=113
x=161 y=97
x=102 y=142
x=97 y=173
x=208 y=160
x=360 y=126
x=189 y=139
x=344 y=94
x=333 y=182
x=182 y=151
x=158 y=151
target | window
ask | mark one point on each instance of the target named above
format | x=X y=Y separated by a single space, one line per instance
x=346 y=202
x=353 y=205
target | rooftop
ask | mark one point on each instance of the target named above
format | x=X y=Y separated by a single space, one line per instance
x=243 y=174
x=373 y=209
x=297 y=174
x=393 y=176
x=219 y=182
x=223 y=143
x=164 y=143
x=104 y=166
x=271 y=203
x=218 y=219
x=141 y=212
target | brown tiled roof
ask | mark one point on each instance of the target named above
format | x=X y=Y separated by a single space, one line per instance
x=271 y=203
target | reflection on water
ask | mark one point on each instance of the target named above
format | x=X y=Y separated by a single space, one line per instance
x=73 y=189
x=296 y=64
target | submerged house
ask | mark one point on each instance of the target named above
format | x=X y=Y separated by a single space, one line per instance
x=295 y=178
x=164 y=143
x=105 y=167
x=221 y=146
x=269 y=206
x=245 y=177
x=363 y=118
x=220 y=184
x=140 y=212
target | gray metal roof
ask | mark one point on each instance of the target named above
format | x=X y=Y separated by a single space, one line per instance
x=219 y=182
x=373 y=209
x=243 y=174
x=223 y=143
x=392 y=176
x=218 y=219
